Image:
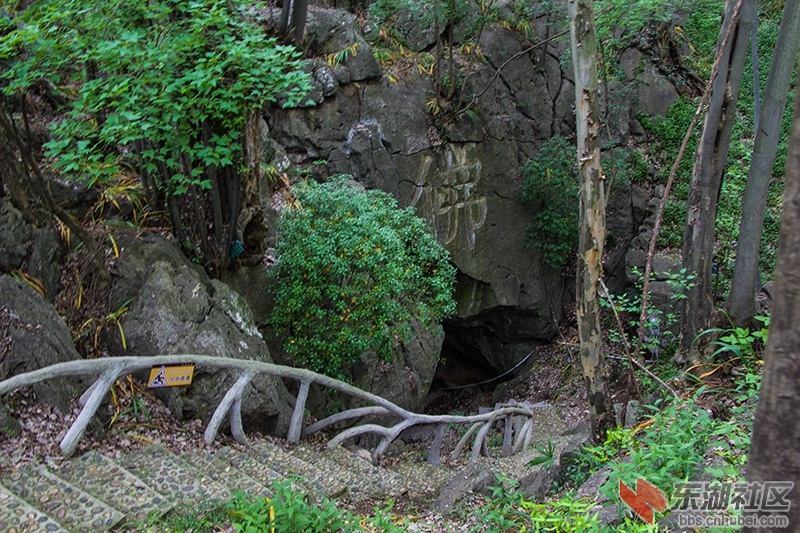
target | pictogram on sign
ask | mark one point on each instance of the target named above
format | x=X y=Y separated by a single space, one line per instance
x=178 y=375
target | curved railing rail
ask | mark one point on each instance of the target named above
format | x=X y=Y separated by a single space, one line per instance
x=518 y=416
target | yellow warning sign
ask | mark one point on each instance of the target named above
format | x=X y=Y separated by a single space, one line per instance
x=177 y=375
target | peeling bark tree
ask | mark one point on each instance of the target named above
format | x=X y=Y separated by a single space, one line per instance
x=775 y=448
x=592 y=213
x=709 y=167
x=741 y=302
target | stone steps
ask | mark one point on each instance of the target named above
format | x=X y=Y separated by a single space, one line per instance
x=104 y=479
x=16 y=515
x=95 y=493
x=70 y=507
x=152 y=481
x=221 y=471
x=325 y=482
x=168 y=474
x=252 y=467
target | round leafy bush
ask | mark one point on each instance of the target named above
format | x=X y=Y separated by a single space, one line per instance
x=355 y=274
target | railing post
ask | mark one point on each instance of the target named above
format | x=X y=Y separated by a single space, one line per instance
x=480 y=440
x=508 y=433
x=434 y=454
x=296 y=425
x=235 y=414
x=231 y=405
x=99 y=389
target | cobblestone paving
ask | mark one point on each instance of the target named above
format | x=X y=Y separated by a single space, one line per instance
x=73 y=508
x=251 y=466
x=221 y=471
x=17 y=516
x=154 y=479
x=167 y=474
x=387 y=481
x=425 y=479
x=325 y=482
x=106 y=480
x=359 y=483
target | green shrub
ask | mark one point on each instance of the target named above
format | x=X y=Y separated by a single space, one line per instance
x=154 y=82
x=551 y=187
x=355 y=274
x=288 y=511
x=158 y=88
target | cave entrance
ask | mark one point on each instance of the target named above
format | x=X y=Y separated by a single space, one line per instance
x=489 y=347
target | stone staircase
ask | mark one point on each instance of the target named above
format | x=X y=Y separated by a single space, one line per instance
x=94 y=493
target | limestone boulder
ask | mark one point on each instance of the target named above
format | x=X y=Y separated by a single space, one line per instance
x=33 y=336
x=138 y=252
x=45 y=260
x=179 y=311
x=331 y=32
x=407 y=378
x=462 y=171
x=14 y=236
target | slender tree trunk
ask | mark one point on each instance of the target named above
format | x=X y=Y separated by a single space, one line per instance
x=775 y=448
x=286 y=11
x=709 y=167
x=251 y=227
x=741 y=302
x=293 y=17
x=593 y=221
x=756 y=71
x=13 y=175
x=37 y=183
x=299 y=19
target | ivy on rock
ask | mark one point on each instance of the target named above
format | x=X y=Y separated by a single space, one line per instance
x=551 y=187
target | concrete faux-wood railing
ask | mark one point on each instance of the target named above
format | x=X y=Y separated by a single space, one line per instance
x=518 y=417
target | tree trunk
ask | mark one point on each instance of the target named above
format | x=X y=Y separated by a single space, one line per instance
x=286 y=11
x=775 y=448
x=592 y=209
x=709 y=167
x=13 y=175
x=299 y=19
x=741 y=302
x=293 y=17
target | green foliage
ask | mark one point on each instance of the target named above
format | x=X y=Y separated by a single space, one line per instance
x=618 y=22
x=355 y=275
x=546 y=455
x=565 y=514
x=659 y=321
x=149 y=71
x=671 y=447
x=508 y=510
x=384 y=13
x=741 y=343
x=730 y=441
x=288 y=511
x=551 y=187
x=160 y=88
x=503 y=512
x=669 y=451
x=701 y=31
